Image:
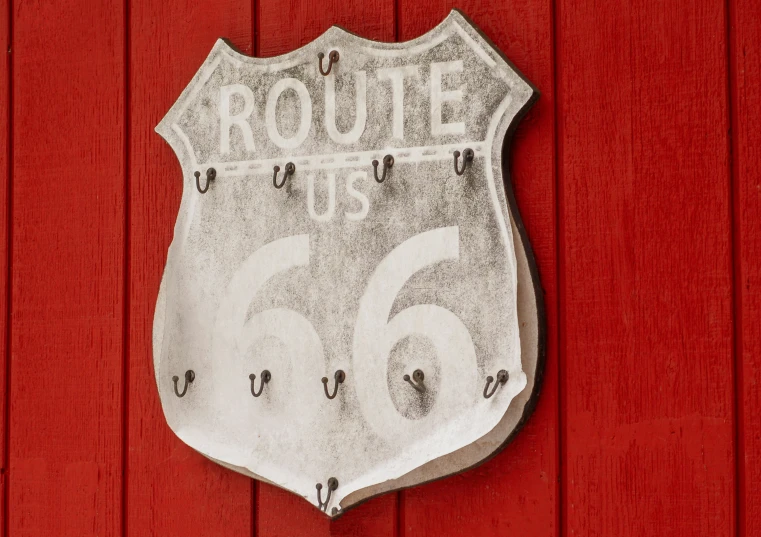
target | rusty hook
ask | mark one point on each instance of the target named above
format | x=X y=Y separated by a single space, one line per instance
x=190 y=376
x=467 y=157
x=332 y=485
x=340 y=376
x=211 y=174
x=266 y=377
x=290 y=168
x=388 y=161
x=502 y=377
x=418 y=377
x=332 y=58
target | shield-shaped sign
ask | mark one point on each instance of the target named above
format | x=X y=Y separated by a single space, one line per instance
x=349 y=304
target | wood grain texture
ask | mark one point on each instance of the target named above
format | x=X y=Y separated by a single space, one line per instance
x=172 y=490
x=68 y=269
x=285 y=25
x=282 y=514
x=516 y=492
x=745 y=61
x=646 y=276
x=282 y=27
x=639 y=378
x=5 y=168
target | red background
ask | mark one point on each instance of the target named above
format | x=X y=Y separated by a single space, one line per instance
x=637 y=174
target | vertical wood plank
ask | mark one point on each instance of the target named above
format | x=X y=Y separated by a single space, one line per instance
x=5 y=168
x=68 y=268
x=646 y=286
x=284 y=26
x=287 y=25
x=172 y=490
x=516 y=492
x=745 y=60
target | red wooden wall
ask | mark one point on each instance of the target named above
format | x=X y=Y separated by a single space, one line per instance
x=637 y=173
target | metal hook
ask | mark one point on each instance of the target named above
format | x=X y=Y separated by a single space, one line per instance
x=388 y=161
x=467 y=157
x=266 y=377
x=418 y=376
x=332 y=58
x=332 y=485
x=290 y=168
x=211 y=174
x=502 y=377
x=340 y=376
x=190 y=376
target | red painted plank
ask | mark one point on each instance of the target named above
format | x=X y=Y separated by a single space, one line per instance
x=172 y=490
x=282 y=514
x=5 y=134
x=285 y=26
x=516 y=492
x=646 y=285
x=68 y=269
x=745 y=60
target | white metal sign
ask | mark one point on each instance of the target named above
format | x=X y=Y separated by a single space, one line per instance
x=349 y=305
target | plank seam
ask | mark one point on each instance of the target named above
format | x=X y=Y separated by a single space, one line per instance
x=735 y=260
x=8 y=288
x=400 y=513
x=255 y=45
x=562 y=480
x=397 y=24
x=127 y=273
x=254 y=508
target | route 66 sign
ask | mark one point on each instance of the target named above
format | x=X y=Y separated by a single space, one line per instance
x=349 y=304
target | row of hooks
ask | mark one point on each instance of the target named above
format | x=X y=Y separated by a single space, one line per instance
x=388 y=161
x=417 y=381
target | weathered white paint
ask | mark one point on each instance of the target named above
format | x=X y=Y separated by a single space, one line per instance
x=330 y=211
x=374 y=279
x=357 y=195
x=360 y=109
x=305 y=111
x=439 y=96
x=397 y=75
x=227 y=120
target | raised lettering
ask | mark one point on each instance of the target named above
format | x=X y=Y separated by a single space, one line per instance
x=270 y=113
x=226 y=121
x=330 y=211
x=356 y=194
x=439 y=97
x=360 y=88
x=397 y=75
